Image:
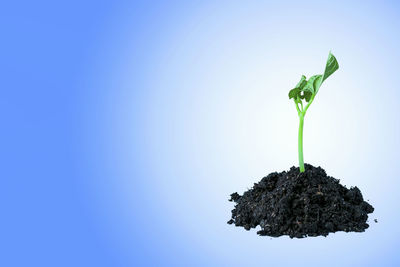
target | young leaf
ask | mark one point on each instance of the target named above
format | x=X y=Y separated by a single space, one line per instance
x=313 y=84
x=294 y=93
x=331 y=66
x=317 y=83
x=302 y=82
x=307 y=95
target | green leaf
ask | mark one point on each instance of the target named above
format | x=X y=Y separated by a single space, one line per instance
x=331 y=66
x=313 y=84
x=302 y=82
x=307 y=95
x=294 y=93
x=317 y=83
x=308 y=89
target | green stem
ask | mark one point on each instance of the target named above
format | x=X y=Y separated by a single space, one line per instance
x=301 y=160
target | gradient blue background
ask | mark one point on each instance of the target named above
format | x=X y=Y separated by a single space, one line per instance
x=126 y=125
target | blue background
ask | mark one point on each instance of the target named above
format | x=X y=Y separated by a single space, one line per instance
x=126 y=125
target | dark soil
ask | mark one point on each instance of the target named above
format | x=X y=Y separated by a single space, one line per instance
x=300 y=205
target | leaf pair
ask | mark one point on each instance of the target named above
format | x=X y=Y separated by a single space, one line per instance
x=303 y=90
x=308 y=89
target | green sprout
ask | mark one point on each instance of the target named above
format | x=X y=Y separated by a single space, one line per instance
x=307 y=90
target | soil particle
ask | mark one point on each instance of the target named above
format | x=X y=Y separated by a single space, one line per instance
x=300 y=205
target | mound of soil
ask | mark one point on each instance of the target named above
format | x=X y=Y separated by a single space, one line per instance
x=300 y=205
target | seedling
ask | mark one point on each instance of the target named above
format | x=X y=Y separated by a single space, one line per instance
x=306 y=91
x=336 y=208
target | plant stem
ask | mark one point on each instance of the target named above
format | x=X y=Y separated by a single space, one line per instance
x=301 y=160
